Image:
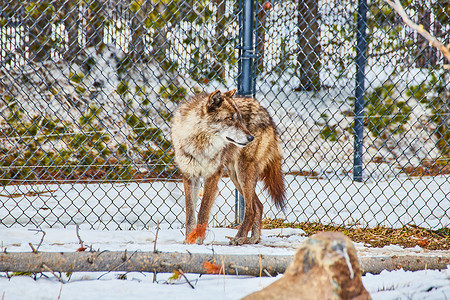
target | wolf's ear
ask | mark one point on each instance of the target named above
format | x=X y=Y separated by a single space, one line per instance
x=214 y=100
x=230 y=94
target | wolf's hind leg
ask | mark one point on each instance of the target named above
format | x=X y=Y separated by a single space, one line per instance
x=257 y=223
x=191 y=189
x=247 y=182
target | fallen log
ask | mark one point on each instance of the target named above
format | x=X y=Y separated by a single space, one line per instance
x=140 y=262
x=254 y=265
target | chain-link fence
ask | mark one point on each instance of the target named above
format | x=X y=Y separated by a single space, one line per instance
x=88 y=88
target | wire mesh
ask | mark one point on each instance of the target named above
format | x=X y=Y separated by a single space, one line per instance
x=88 y=88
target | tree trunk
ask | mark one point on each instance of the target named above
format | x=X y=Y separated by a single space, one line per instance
x=71 y=20
x=95 y=17
x=309 y=42
x=38 y=21
x=426 y=54
x=220 y=45
x=158 y=41
x=141 y=262
x=138 y=31
x=255 y=265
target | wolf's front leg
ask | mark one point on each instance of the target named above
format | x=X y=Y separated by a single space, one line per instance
x=210 y=192
x=191 y=188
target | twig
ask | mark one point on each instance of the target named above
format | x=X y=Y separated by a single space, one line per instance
x=223 y=267
x=35 y=250
x=260 y=265
x=267 y=273
x=53 y=273
x=156 y=237
x=124 y=260
x=32 y=248
x=78 y=235
x=124 y=257
x=187 y=280
x=397 y=6
x=60 y=290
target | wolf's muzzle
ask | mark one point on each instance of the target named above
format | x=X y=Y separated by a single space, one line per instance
x=249 y=139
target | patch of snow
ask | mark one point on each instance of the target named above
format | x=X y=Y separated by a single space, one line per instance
x=399 y=284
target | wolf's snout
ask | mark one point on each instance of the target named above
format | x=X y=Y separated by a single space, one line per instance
x=250 y=138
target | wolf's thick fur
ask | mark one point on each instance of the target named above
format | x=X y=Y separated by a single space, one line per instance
x=214 y=131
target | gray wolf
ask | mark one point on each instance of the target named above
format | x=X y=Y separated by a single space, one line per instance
x=211 y=132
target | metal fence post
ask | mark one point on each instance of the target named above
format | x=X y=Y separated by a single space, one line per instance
x=359 y=91
x=246 y=78
x=246 y=55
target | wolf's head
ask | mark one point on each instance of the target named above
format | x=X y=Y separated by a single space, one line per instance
x=226 y=119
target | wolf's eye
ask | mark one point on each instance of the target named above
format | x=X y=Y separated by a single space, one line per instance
x=230 y=118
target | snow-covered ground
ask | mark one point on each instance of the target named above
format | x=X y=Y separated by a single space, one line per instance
x=387 y=285
x=392 y=203
x=400 y=284
x=120 y=207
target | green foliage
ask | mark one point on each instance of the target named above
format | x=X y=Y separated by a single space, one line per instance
x=122 y=89
x=86 y=153
x=36 y=9
x=90 y=147
x=22 y=274
x=442 y=11
x=218 y=56
x=144 y=132
x=157 y=151
x=435 y=95
x=77 y=80
x=167 y=116
x=3 y=21
x=124 y=65
x=385 y=111
x=135 y=6
x=329 y=132
x=208 y=56
x=173 y=93
x=158 y=158
x=175 y=276
x=27 y=159
x=383 y=35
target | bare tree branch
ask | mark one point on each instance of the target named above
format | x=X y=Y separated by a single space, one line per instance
x=185 y=278
x=397 y=6
x=78 y=236
x=35 y=250
x=156 y=237
x=47 y=268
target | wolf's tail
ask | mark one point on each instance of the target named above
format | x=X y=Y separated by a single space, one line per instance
x=274 y=183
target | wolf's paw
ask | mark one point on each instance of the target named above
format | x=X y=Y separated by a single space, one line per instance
x=254 y=240
x=190 y=242
x=238 y=241
x=197 y=235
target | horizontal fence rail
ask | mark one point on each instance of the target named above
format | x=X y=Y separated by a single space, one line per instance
x=88 y=88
